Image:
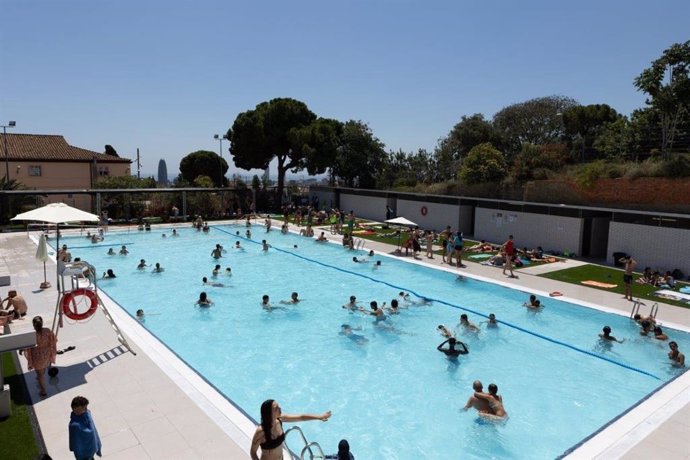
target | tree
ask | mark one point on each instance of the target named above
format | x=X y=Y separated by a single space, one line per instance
x=270 y=131
x=484 y=163
x=109 y=150
x=534 y=160
x=586 y=121
x=124 y=205
x=319 y=143
x=256 y=182
x=470 y=132
x=615 y=140
x=667 y=82
x=360 y=156
x=537 y=121
x=204 y=163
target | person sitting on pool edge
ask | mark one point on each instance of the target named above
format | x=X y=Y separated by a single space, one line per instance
x=451 y=351
x=606 y=335
x=322 y=237
x=204 y=301
x=675 y=355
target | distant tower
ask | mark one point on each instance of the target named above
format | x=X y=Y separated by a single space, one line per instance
x=266 y=178
x=162 y=173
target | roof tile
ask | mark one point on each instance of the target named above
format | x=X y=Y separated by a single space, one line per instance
x=50 y=147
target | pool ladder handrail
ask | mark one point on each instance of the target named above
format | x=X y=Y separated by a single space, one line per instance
x=636 y=308
x=359 y=243
x=308 y=446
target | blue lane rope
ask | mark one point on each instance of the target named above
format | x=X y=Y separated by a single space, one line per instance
x=400 y=288
x=100 y=246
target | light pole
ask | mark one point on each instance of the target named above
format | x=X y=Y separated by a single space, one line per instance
x=220 y=152
x=11 y=124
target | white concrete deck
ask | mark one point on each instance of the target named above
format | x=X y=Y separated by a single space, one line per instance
x=151 y=406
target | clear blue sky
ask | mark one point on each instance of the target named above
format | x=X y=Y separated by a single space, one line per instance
x=167 y=76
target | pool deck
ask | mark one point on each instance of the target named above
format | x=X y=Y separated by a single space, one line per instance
x=151 y=406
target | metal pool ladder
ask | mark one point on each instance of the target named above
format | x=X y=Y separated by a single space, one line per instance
x=636 y=308
x=312 y=448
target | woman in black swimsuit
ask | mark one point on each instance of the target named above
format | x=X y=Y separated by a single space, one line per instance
x=270 y=435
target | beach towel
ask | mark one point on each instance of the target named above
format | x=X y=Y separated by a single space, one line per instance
x=672 y=295
x=599 y=284
x=685 y=289
x=480 y=256
x=363 y=232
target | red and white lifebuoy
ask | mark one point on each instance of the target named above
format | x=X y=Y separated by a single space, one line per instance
x=424 y=210
x=69 y=306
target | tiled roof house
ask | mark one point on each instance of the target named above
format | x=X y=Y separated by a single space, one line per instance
x=48 y=162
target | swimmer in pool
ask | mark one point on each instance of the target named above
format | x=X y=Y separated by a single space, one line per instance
x=444 y=331
x=237 y=246
x=358 y=261
x=142 y=265
x=451 y=351
x=109 y=274
x=675 y=355
x=481 y=405
x=228 y=271
x=376 y=312
x=248 y=233
x=536 y=305
x=532 y=302
x=393 y=309
x=606 y=335
x=347 y=331
x=284 y=228
x=322 y=237
x=294 y=299
x=265 y=245
x=205 y=281
x=376 y=265
x=140 y=314
x=204 y=301
x=352 y=304
x=216 y=271
x=124 y=251
x=491 y=322
x=217 y=252
x=174 y=233
x=495 y=403
x=465 y=323
x=157 y=268
x=111 y=252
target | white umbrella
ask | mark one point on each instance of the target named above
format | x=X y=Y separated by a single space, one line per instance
x=401 y=221
x=57 y=213
x=42 y=255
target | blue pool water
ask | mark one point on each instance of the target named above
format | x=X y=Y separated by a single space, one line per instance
x=393 y=396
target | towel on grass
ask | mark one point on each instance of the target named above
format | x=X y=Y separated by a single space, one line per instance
x=599 y=284
x=672 y=295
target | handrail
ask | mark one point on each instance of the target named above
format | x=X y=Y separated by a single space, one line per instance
x=307 y=445
x=654 y=310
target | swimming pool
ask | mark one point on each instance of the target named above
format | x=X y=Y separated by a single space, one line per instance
x=394 y=396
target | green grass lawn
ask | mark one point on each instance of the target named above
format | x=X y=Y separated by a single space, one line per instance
x=17 y=440
x=611 y=276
